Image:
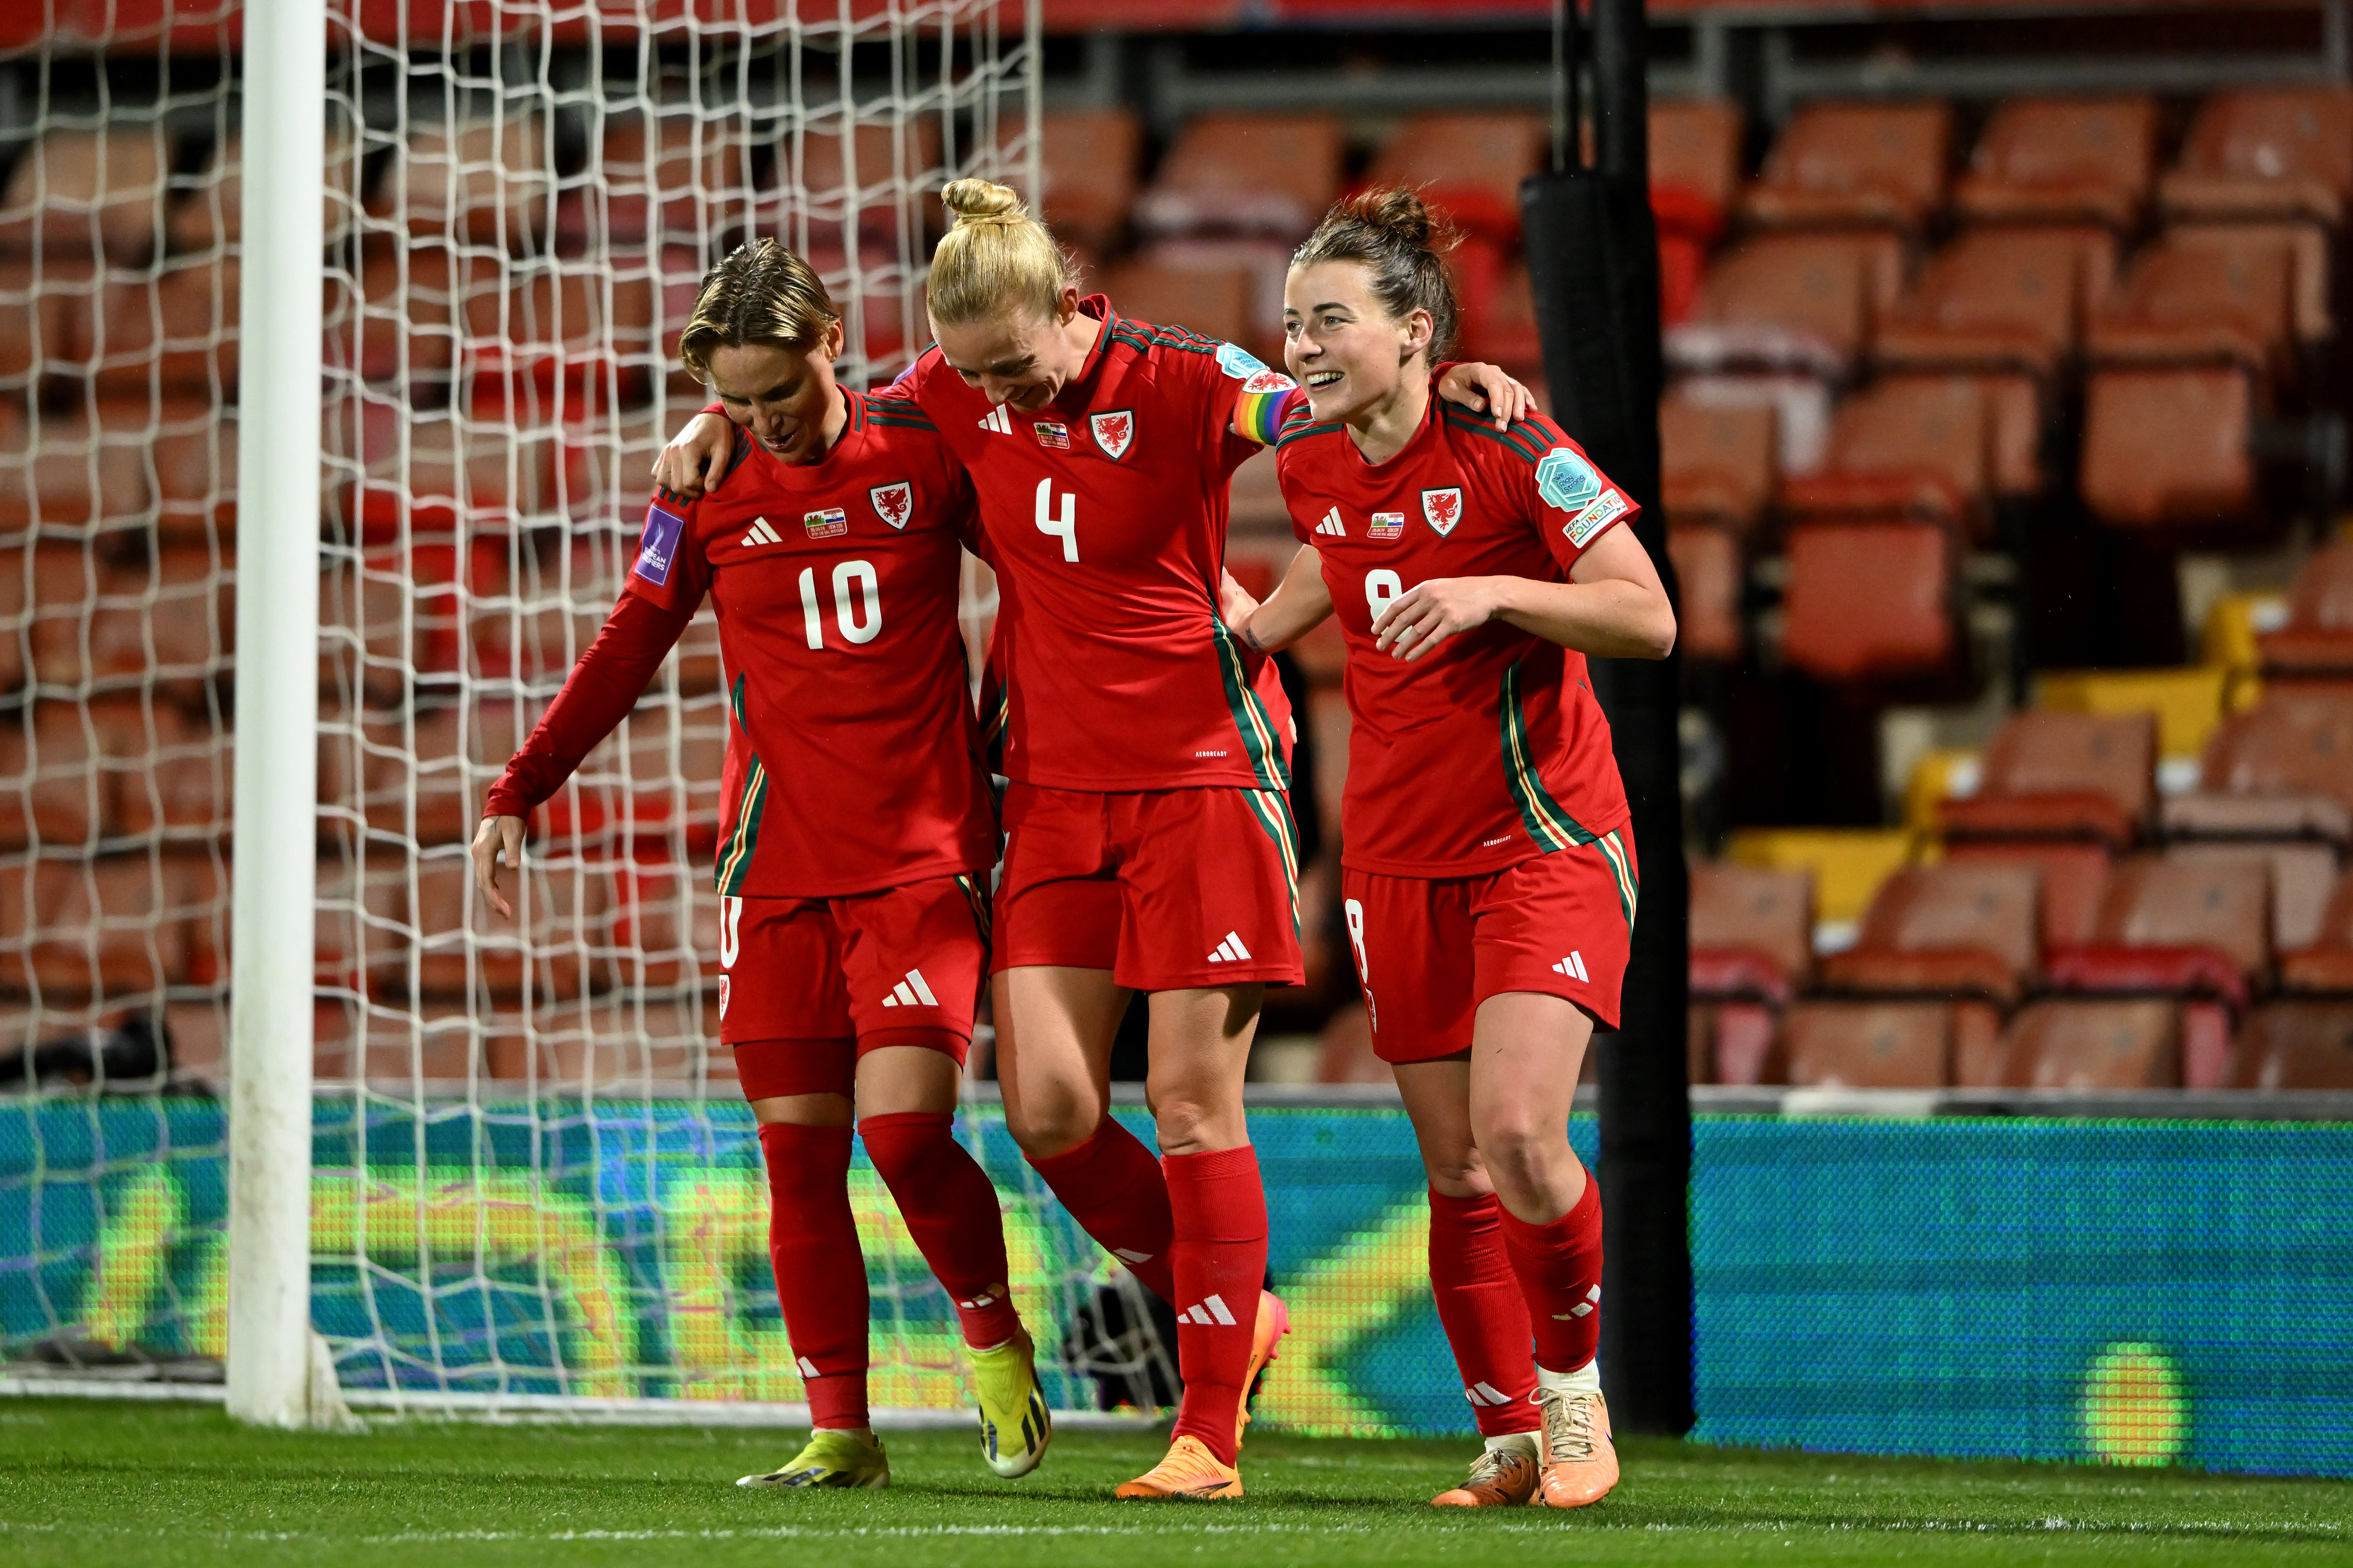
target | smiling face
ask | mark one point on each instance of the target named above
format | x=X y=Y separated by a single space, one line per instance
x=784 y=397
x=1019 y=357
x=1343 y=346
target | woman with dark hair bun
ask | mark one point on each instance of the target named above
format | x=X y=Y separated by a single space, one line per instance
x=1488 y=871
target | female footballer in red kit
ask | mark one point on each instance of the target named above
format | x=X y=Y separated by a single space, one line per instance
x=1488 y=873
x=853 y=916
x=1149 y=842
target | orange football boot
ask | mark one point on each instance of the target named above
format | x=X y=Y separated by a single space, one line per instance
x=1500 y=1478
x=1189 y=1473
x=1266 y=1337
x=1580 y=1462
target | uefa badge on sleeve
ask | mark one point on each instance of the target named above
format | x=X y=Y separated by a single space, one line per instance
x=1443 y=509
x=893 y=503
x=1114 y=432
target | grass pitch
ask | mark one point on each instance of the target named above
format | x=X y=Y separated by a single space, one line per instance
x=86 y=1483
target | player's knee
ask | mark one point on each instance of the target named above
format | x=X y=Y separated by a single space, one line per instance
x=1055 y=1127
x=1524 y=1158
x=1457 y=1172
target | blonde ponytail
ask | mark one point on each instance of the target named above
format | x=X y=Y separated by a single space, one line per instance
x=995 y=258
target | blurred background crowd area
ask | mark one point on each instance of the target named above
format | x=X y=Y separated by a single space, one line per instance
x=2004 y=445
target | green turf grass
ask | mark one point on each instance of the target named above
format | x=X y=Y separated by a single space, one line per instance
x=88 y=1483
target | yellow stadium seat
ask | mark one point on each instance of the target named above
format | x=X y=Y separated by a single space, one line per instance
x=2188 y=702
x=2232 y=628
x=1848 y=863
x=1941 y=773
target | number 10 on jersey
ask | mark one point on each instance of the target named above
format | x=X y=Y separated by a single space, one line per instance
x=857 y=604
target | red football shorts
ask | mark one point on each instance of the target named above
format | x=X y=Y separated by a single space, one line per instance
x=1168 y=888
x=808 y=985
x=1430 y=950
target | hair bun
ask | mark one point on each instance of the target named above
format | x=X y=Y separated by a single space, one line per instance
x=982 y=201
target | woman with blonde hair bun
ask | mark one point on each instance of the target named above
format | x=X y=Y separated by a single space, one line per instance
x=1149 y=844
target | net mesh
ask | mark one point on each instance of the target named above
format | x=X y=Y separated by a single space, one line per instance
x=534 y=1170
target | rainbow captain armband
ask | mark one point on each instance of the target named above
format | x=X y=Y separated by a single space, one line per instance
x=1265 y=397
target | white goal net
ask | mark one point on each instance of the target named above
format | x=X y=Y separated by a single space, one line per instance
x=534 y=1172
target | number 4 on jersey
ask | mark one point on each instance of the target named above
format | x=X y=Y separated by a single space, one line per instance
x=1067 y=528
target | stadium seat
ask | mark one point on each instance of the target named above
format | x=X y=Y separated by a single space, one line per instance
x=683 y=177
x=1937 y=448
x=1846 y=864
x=1214 y=301
x=414 y=782
x=62 y=591
x=2117 y=1045
x=543 y=950
x=1804 y=303
x=2278 y=771
x=2182 y=927
x=171 y=774
x=2074 y=877
x=1709 y=580
x=2064 y=776
x=1751 y=949
x=1093 y=162
x=434 y=477
x=1958 y=929
x=1272 y=174
x=2169 y=448
x=211 y=216
x=396 y=320
x=2062 y=160
x=1717 y=462
x=1504 y=328
x=177 y=333
x=809 y=208
x=43 y=320
x=117 y=928
x=63 y=475
x=2317 y=640
x=168 y=624
x=1849 y=164
x=2296 y=1045
x=1869 y=1044
x=2000 y=299
x=643 y=929
x=1469 y=166
x=364 y=940
x=1344 y=1049
x=2326 y=963
x=2301 y=874
x=2269 y=152
x=2188 y=699
x=86 y=195
x=194 y=454
x=477 y=182
x=51 y=793
x=1694 y=166
x=2199 y=301
x=15 y=589
x=560 y=344
x=1869 y=600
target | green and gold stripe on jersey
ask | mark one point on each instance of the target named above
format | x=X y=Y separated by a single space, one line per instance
x=1530 y=440
x=1272 y=809
x=1251 y=720
x=1551 y=827
x=744 y=840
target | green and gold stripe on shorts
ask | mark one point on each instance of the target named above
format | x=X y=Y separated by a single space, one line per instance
x=1612 y=846
x=1552 y=829
x=1272 y=809
x=977 y=896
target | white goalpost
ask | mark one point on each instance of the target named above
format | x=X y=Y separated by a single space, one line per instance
x=351 y=341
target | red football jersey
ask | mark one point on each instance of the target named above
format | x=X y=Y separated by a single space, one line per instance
x=835 y=585
x=1490 y=747
x=1106 y=521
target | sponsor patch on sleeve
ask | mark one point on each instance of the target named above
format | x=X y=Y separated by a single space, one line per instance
x=1238 y=361
x=1567 y=482
x=1598 y=513
x=658 y=547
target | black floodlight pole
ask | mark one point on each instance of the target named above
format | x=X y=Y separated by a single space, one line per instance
x=1593 y=260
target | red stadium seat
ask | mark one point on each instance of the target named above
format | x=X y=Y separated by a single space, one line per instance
x=1938 y=448
x=1717 y=462
x=2301 y=874
x=2094 y=1046
x=560 y=344
x=86 y=195
x=2183 y=927
x=1214 y=301
x=1709 y=577
x=2267 y=152
x=2061 y=160
x=170 y=622
x=809 y=209
x=1694 y=166
x=2062 y=775
x=1869 y=1044
x=117 y=928
x=2218 y=298
x=686 y=177
x=1794 y=302
x=2296 y=1045
x=453 y=475
x=542 y=953
x=483 y=182
x=194 y=454
x=1950 y=929
x=1752 y=931
x=51 y=793
x=61 y=474
x=44 y=320
x=1094 y=162
x=2169 y=448
x=2074 y=880
x=171 y=774
x=2326 y=964
x=2318 y=637
x=397 y=320
x=643 y=931
x=1869 y=600
x=1272 y=174
x=1469 y=166
x=212 y=215
x=1843 y=164
x=2001 y=298
x=2277 y=771
x=177 y=333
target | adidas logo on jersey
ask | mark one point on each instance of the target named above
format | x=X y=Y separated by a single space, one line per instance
x=999 y=419
x=1331 y=523
x=1212 y=1311
x=1574 y=967
x=762 y=534
x=911 y=992
x=1583 y=1309
x=1230 y=950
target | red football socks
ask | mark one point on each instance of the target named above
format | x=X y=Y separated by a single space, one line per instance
x=1219 y=1258
x=1483 y=1312
x=1116 y=1191
x=951 y=1211
x=820 y=1272
x=1559 y=1269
